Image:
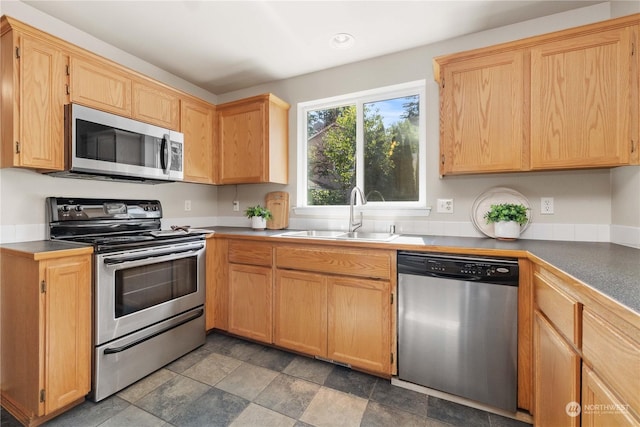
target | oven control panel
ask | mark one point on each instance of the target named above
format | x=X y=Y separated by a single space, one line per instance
x=79 y=209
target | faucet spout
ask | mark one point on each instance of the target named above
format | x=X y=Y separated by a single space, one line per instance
x=355 y=192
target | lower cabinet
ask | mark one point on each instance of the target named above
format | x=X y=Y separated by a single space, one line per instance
x=556 y=378
x=46 y=333
x=359 y=314
x=335 y=303
x=301 y=312
x=600 y=406
x=326 y=301
x=339 y=318
x=586 y=358
x=250 y=312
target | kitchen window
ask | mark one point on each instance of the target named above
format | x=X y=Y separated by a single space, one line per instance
x=374 y=140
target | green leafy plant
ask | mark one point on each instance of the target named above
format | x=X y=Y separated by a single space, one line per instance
x=507 y=212
x=258 y=210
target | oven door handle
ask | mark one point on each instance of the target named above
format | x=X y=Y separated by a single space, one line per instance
x=115 y=350
x=113 y=261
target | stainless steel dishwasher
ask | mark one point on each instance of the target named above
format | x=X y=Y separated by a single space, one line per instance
x=457 y=325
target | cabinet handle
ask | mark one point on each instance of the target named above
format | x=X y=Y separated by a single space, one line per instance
x=633 y=146
x=17 y=52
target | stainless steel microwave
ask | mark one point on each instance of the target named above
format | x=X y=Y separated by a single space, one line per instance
x=104 y=145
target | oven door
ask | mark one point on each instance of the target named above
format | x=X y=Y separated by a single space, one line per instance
x=138 y=288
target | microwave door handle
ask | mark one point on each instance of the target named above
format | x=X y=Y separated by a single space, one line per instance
x=165 y=156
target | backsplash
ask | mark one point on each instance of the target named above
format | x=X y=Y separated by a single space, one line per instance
x=622 y=235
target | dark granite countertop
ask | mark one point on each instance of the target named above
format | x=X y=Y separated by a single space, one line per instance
x=612 y=270
x=44 y=246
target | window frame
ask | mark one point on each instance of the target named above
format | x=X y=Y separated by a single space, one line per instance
x=396 y=208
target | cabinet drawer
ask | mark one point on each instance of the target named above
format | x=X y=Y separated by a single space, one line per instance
x=349 y=262
x=253 y=253
x=562 y=310
x=613 y=356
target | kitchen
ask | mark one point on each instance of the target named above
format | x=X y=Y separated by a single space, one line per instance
x=606 y=200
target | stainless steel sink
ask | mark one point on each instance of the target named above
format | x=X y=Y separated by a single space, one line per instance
x=372 y=236
x=341 y=235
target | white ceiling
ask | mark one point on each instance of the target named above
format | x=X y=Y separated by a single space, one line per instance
x=223 y=46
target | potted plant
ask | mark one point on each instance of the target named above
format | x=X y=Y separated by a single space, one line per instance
x=507 y=218
x=258 y=216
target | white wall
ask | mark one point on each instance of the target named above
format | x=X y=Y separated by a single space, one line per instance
x=583 y=199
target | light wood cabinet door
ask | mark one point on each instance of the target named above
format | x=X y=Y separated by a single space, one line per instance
x=197 y=125
x=581 y=101
x=301 y=312
x=253 y=141
x=46 y=333
x=155 y=104
x=482 y=114
x=556 y=377
x=359 y=332
x=613 y=355
x=66 y=317
x=250 y=302
x=33 y=96
x=600 y=406
x=97 y=85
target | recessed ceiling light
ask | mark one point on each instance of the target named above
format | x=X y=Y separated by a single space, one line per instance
x=342 y=41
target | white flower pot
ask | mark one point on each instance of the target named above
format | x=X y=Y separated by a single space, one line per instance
x=258 y=223
x=507 y=230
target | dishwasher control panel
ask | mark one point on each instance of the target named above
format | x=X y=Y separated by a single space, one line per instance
x=463 y=267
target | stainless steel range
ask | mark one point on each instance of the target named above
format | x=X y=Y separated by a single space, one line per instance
x=148 y=286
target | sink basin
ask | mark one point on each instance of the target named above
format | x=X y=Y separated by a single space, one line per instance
x=341 y=235
x=318 y=234
x=372 y=236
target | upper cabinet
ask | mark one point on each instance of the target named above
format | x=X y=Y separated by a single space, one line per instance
x=100 y=87
x=565 y=100
x=253 y=141
x=112 y=89
x=581 y=100
x=33 y=95
x=197 y=125
x=156 y=104
x=476 y=96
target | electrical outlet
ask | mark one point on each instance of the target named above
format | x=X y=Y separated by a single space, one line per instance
x=236 y=206
x=187 y=205
x=546 y=205
x=445 y=206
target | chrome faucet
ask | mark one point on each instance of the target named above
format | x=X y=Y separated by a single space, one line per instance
x=353 y=225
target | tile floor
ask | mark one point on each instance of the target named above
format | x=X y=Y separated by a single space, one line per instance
x=232 y=382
